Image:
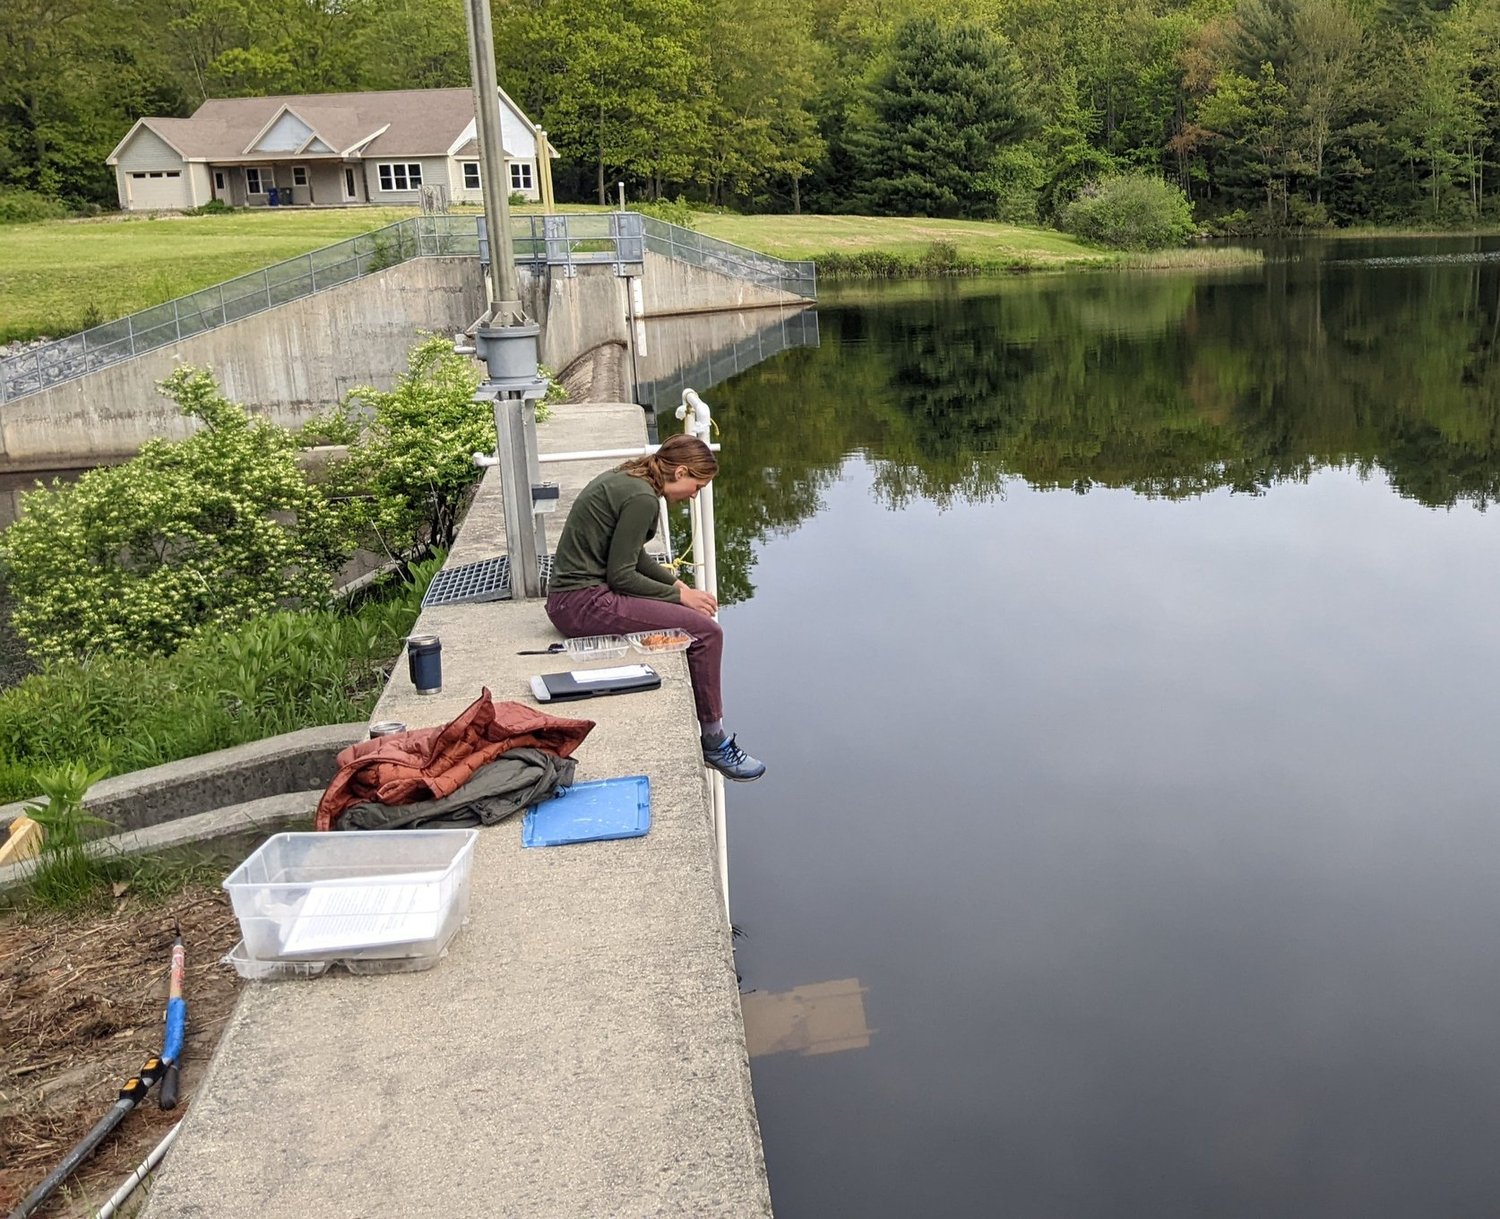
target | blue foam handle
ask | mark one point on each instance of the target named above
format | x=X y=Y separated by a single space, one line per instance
x=176 y=1027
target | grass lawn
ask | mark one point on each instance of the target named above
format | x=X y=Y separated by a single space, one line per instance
x=57 y=275
x=52 y=275
x=976 y=240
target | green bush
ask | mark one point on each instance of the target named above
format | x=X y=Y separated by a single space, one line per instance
x=519 y=198
x=388 y=248
x=940 y=258
x=19 y=206
x=1132 y=211
x=1238 y=223
x=286 y=671
x=214 y=530
x=416 y=455
x=679 y=211
x=214 y=207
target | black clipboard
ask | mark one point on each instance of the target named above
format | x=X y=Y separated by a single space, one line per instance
x=593 y=683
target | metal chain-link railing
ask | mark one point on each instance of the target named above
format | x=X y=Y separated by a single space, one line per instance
x=619 y=238
x=797 y=326
x=798 y=278
x=175 y=320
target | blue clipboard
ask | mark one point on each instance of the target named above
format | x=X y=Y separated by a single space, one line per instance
x=591 y=812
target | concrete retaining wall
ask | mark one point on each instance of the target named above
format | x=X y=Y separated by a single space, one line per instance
x=292 y=361
x=289 y=363
x=223 y=836
x=589 y=309
x=670 y=286
x=576 y=315
x=295 y=762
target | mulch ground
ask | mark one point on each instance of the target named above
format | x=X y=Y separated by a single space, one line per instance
x=82 y=999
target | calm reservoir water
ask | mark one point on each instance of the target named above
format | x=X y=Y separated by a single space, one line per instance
x=1125 y=651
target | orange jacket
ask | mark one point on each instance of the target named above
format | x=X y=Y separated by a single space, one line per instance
x=430 y=763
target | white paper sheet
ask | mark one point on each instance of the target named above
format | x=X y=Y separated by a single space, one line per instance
x=583 y=676
x=345 y=915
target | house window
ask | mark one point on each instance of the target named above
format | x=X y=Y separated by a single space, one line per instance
x=299 y=175
x=218 y=179
x=520 y=176
x=156 y=173
x=252 y=181
x=471 y=175
x=174 y=173
x=401 y=175
x=138 y=177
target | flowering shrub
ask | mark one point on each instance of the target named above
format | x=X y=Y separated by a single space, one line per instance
x=416 y=453
x=209 y=531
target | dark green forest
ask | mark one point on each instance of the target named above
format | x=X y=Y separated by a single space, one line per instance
x=1270 y=114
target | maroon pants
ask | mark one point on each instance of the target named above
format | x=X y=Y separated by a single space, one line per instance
x=602 y=611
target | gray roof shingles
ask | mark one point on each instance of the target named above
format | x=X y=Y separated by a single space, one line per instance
x=417 y=122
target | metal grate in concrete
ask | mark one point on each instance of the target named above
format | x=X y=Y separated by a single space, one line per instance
x=486 y=580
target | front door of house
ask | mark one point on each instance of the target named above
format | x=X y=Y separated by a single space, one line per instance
x=350 y=191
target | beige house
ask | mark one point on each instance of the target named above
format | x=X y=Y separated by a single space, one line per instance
x=319 y=150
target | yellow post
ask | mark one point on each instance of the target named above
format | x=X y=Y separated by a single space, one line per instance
x=23 y=841
x=544 y=171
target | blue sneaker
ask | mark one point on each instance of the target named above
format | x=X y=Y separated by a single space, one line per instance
x=733 y=762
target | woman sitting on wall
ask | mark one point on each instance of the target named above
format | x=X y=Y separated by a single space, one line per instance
x=604 y=583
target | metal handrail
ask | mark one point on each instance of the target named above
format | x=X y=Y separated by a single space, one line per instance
x=150 y=329
x=686 y=245
x=570 y=240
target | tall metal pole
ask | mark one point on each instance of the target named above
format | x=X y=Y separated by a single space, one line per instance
x=505 y=301
x=507 y=339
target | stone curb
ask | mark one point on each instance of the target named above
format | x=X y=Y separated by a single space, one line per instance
x=299 y=762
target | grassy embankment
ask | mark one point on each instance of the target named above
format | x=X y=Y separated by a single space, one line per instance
x=59 y=275
x=905 y=245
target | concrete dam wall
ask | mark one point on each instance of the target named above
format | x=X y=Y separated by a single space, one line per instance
x=582 y=311
x=292 y=361
x=288 y=363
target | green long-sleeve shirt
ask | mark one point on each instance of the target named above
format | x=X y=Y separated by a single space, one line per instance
x=604 y=539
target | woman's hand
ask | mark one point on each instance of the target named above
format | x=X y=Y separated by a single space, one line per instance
x=697 y=599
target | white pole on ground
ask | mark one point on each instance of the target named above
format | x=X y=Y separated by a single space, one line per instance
x=143 y=1170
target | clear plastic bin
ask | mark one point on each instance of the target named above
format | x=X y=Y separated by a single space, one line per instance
x=664 y=640
x=355 y=895
x=596 y=647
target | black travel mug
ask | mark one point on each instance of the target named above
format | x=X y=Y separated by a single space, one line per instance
x=424 y=658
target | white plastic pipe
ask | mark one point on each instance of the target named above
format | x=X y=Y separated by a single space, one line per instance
x=605 y=454
x=143 y=1170
x=698 y=421
x=485 y=460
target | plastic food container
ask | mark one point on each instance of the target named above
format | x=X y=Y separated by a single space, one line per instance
x=255 y=970
x=660 y=641
x=352 y=896
x=596 y=647
x=271 y=971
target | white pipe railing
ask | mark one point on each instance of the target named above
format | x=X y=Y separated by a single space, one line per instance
x=698 y=421
x=484 y=460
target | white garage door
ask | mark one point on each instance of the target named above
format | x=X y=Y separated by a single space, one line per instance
x=158 y=188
